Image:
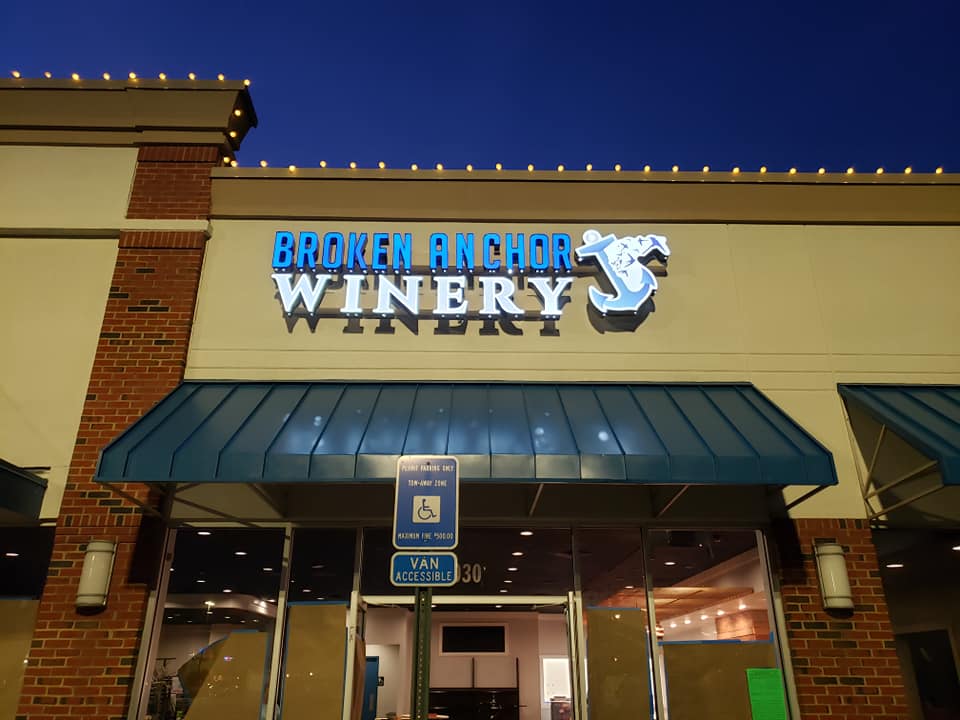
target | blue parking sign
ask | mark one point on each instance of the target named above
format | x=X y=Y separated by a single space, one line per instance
x=426 y=514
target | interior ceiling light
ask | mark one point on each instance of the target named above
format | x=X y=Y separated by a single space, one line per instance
x=511 y=569
x=894 y=566
x=669 y=563
x=268 y=569
x=240 y=553
x=526 y=533
x=227 y=590
x=517 y=553
x=957 y=548
x=13 y=554
x=203 y=532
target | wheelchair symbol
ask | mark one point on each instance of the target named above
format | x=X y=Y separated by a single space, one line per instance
x=426 y=509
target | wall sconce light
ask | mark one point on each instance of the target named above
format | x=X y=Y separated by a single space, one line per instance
x=96 y=574
x=834 y=582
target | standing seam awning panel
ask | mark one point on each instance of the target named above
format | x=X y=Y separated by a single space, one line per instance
x=926 y=416
x=507 y=432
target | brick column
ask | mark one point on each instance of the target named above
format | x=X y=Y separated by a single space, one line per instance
x=845 y=665
x=83 y=665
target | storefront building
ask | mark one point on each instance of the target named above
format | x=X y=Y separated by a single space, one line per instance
x=665 y=390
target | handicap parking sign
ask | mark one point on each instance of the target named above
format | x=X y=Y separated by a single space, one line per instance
x=426 y=508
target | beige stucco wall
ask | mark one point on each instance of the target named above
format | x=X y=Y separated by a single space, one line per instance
x=793 y=309
x=52 y=297
x=77 y=188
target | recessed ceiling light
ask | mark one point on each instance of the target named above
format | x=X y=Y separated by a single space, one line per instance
x=673 y=624
x=628 y=587
x=171 y=569
x=617 y=616
x=503 y=590
x=894 y=566
x=203 y=532
x=687 y=621
x=508 y=582
x=669 y=563
x=240 y=553
x=227 y=617
x=306 y=589
x=12 y=554
x=201 y=580
x=169 y=617
x=526 y=533
x=271 y=600
x=227 y=590
x=317 y=566
x=498 y=606
x=742 y=606
x=517 y=554
x=209 y=603
x=703 y=617
x=268 y=569
x=957 y=548
x=511 y=569
x=719 y=612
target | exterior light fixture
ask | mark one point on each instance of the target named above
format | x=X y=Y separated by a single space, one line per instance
x=204 y=533
x=517 y=553
x=75 y=76
x=47 y=74
x=669 y=563
x=628 y=587
x=706 y=168
x=192 y=76
x=353 y=165
x=162 y=76
x=879 y=171
x=907 y=170
x=526 y=533
x=132 y=76
x=96 y=573
x=227 y=590
x=821 y=171
x=263 y=163
x=849 y=171
x=617 y=167
x=736 y=171
x=15 y=73
x=220 y=77
x=106 y=76
x=292 y=168
x=382 y=165
x=499 y=166
x=233 y=163
x=246 y=83
x=675 y=168
x=793 y=171
x=530 y=167
x=763 y=169
x=323 y=163
x=834 y=582
x=238 y=112
x=939 y=171
x=414 y=166
x=894 y=566
x=646 y=168
x=469 y=168
x=589 y=167
x=559 y=168
x=14 y=554
x=232 y=133
x=439 y=166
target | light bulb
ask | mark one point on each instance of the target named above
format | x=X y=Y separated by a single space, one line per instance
x=469 y=168
x=413 y=167
x=381 y=164
x=706 y=168
x=132 y=76
x=617 y=167
x=233 y=163
x=263 y=163
x=75 y=76
x=763 y=169
x=106 y=76
x=559 y=168
x=879 y=171
x=162 y=76
x=15 y=73
x=226 y=160
x=907 y=170
x=939 y=171
x=353 y=165
x=323 y=163
x=246 y=83
x=292 y=168
x=736 y=171
x=238 y=112
x=793 y=171
x=849 y=171
x=530 y=168
x=232 y=133
x=646 y=168
x=192 y=76
x=675 y=168
x=47 y=74
x=220 y=77
x=821 y=171
x=499 y=166
x=589 y=167
x=439 y=166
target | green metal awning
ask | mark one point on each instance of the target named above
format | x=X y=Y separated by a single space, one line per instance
x=21 y=493
x=926 y=416
x=326 y=432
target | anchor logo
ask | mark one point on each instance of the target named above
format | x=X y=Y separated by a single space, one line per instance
x=624 y=261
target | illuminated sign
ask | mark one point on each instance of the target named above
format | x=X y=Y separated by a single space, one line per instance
x=469 y=274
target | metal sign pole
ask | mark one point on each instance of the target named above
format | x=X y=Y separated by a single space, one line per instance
x=420 y=691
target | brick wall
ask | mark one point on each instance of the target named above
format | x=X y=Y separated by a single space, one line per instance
x=845 y=664
x=83 y=665
x=172 y=182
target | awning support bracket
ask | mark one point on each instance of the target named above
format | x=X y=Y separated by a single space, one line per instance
x=924 y=469
x=806 y=496
x=130 y=498
x=671 y=501
x=536 y=500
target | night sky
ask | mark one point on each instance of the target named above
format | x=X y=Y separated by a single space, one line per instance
x=833 y=84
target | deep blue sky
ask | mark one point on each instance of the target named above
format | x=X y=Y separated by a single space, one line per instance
x=838 y=83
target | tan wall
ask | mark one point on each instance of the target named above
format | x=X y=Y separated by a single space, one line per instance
x=65 y=187
x=17 y=619
x=793 y=309
x=52 y=295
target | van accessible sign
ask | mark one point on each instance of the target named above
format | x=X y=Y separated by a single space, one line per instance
x=307 y=264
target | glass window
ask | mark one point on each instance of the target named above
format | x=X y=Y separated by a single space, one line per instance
x=218 y=622
x=615 y=623
x=713 y=617
x=25 y=558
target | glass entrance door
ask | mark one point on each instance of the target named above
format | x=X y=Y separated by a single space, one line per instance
x=491 y=657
